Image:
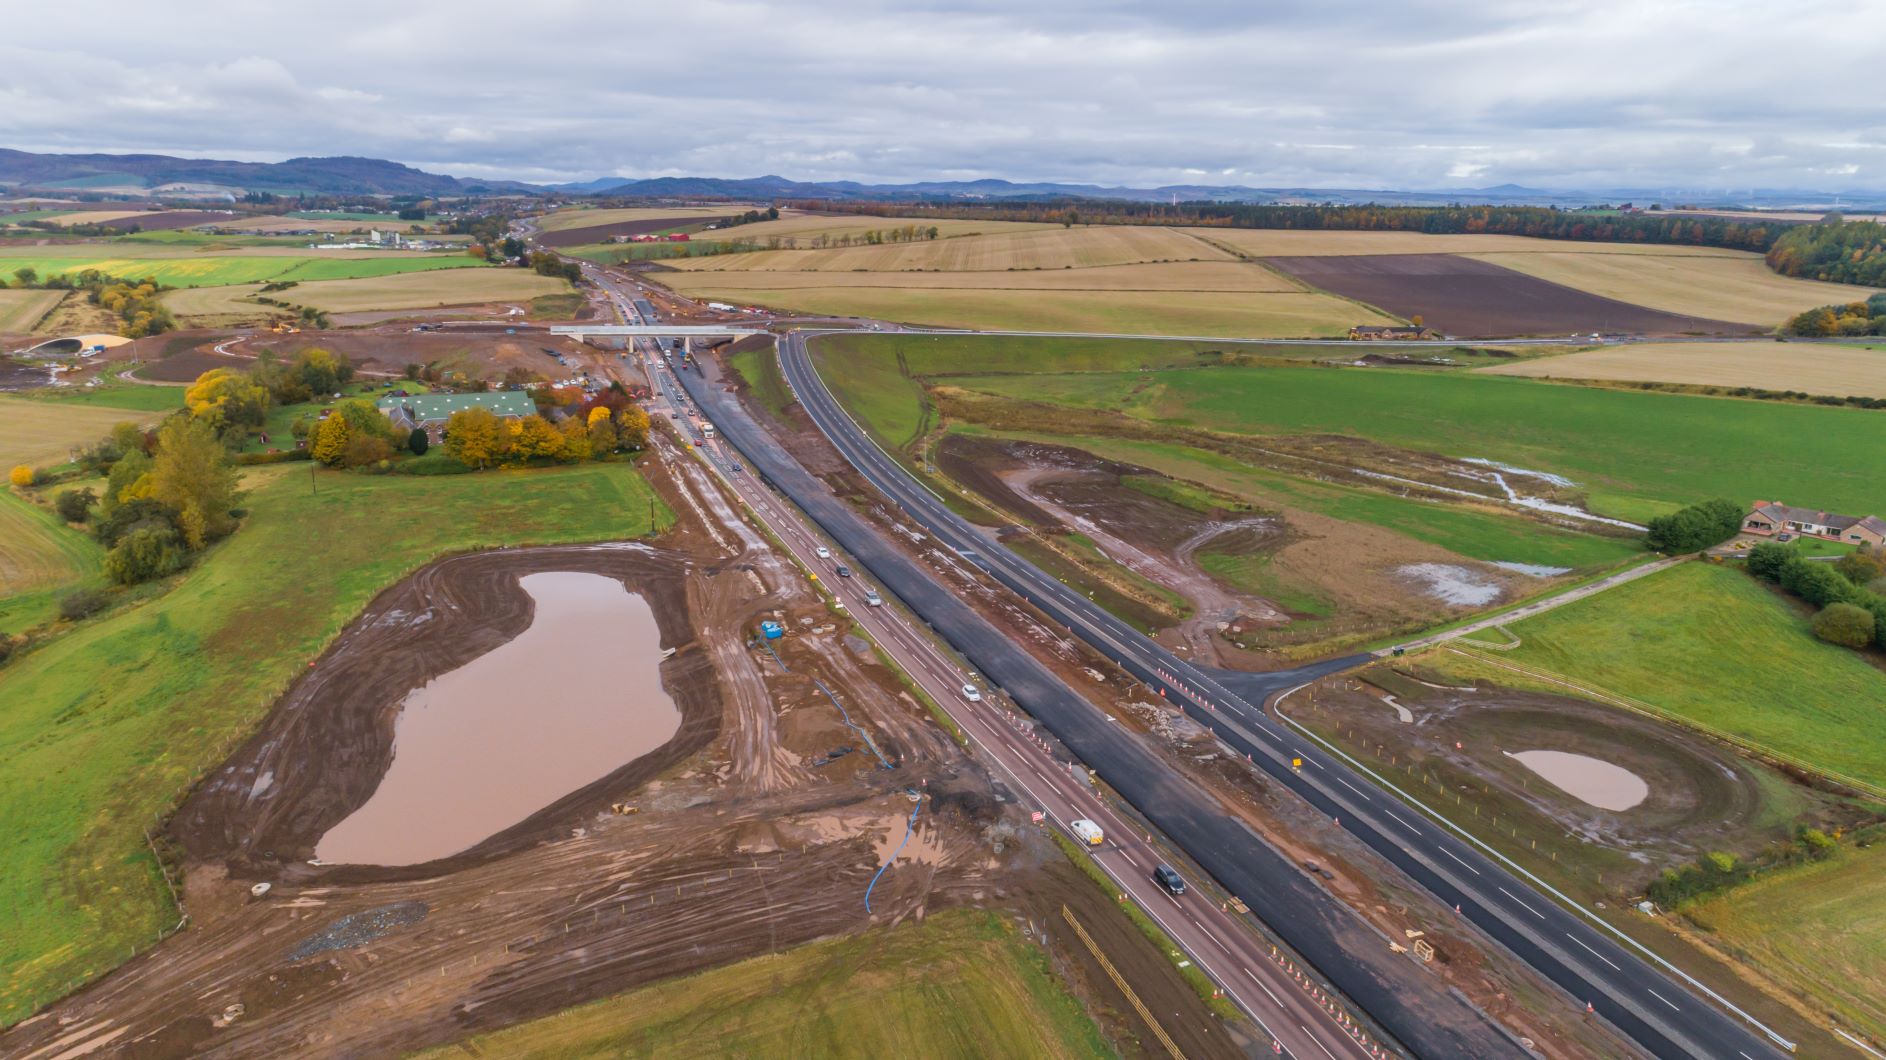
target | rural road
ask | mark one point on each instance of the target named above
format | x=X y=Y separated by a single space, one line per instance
x=1539 y=607
x=1584 y=956
x=1265 y=984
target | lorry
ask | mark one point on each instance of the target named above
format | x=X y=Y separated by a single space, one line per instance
x=1087 y=832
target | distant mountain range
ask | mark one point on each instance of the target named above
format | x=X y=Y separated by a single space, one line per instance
x=23 y=172
x=164 y=176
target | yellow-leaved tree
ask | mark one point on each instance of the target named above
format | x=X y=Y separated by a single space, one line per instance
x=632 y=428
x=223 y=397
x=331 y=436
x=21 y=476
x=474 y=437
x=532 y=436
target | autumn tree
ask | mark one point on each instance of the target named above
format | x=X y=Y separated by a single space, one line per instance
x=632 y=428
x=21 y=476
x=193 y=475
x=575 y=439
x=533 y=436
x=330 y=440
x=475 y=437
x=225 y=398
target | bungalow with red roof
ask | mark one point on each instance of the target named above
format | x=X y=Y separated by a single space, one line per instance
x=1772 y=518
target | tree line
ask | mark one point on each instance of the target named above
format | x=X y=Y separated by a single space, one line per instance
x=1830 y=321
x=1536 y=221
x=133 y=302
x=1839 y=252
x=1850 y=592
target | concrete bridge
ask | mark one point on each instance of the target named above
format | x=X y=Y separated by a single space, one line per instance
x=657 y=331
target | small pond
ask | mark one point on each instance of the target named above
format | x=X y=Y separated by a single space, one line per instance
x=1589 y=780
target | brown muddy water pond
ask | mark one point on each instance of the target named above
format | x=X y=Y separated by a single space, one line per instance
x=480 y=748
x=1593 y=781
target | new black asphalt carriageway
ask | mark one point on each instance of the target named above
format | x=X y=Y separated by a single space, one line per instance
x=1408 y=1002
x=1586 y=958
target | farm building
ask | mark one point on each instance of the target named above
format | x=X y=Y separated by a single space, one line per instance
x=430 y=411
x=1769 y=518
x=1378 y=331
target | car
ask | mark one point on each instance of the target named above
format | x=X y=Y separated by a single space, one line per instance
x=739 y=467
x=872 y=599
x=824 y=553
x=971 y=694
x=844 y=571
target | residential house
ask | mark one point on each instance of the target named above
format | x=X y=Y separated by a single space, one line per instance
x=1378 y=332
x=429 y=412
x=1772 y=518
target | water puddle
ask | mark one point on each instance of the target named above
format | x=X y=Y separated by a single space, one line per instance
x=1587 y=779
x=1461 y=586
x=478 y=749
x=1532 y=570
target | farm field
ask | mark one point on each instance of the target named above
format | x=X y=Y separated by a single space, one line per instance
x=1275 y=243
x=412 y=290
x=39 y=432
x=1291 y=314
x=1203 y=276
x=1636 y=453
x=560 y=220
x=803 y=228
x=1819 y=930
x=191 y=269
x=1813 y=368
x=1741 y=289
x=1710 y=644
x=37 y=552
x=21 y=308
x=956 y=984
x=1472 y=298
x=91 y=217
x=127 y=711
x=1037 y=249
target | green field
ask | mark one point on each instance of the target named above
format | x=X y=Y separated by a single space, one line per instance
x=1636 y=453
x=124 y=713
x=115 y=394
x=956 y=984
x=1819 y=930
x=1712 y=645
x=760 y=368
x=213 y=270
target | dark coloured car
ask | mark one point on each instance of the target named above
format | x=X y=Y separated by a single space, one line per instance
x=1165 y=877
x=844 y=571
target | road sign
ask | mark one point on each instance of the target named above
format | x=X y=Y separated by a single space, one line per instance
x=1296 y=763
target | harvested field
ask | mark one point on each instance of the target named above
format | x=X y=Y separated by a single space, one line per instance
x=1208 y=276
x=41 y=432
x=21 y=309
x=1473 y=299
x=573 y=237
x=596 y=218
x=1813 y=368
x=92 y=217
x=37 y=550
x=1038 y=249
x=424 y=290
x=163 y=220
x=1293 y=314
x=1742 y=289
x=798 y=229
x=330 y=223
x=1274 y=243
x=218 y=306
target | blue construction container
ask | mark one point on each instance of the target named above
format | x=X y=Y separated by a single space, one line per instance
x=772 y=630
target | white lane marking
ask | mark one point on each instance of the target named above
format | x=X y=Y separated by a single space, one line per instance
x=1663 y=999
x=1319 y=1045
x=1522 y=905
x=1352 y=787
x=1456 y=857
x=1261 y=986
x=1403 y=823
x=1593 y=952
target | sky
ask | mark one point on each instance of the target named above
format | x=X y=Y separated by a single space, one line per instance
x=1416 y=94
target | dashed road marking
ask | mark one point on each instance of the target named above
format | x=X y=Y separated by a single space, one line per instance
x=1462 y=864
x=1593 y=952
x=1522 y=905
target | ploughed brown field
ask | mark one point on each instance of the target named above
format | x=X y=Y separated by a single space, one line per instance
x=573 y=237
x=1466 y=298
x=158 y=220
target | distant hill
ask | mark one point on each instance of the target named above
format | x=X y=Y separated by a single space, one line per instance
x=205 y=177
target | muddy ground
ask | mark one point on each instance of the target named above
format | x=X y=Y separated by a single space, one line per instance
x=1327 y=581
x=756 y=827
x=1467 y=298
x=572 y=237
x=383 y=350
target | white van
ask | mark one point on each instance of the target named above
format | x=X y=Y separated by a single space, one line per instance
x=1087 y=831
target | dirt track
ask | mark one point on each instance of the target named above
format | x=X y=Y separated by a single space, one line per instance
x=1466 y=298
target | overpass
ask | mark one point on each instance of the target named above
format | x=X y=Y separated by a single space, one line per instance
x=657 y=331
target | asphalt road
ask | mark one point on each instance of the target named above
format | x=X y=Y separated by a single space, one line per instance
x=1585 y=957
x=1409 y=1002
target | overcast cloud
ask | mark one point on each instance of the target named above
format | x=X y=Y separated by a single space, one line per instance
x=1336 y=93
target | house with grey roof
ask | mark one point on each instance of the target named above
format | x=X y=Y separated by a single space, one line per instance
x=428 y=412
x=1773 y=518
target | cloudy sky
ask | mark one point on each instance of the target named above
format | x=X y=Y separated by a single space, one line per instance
x=1335 y=93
